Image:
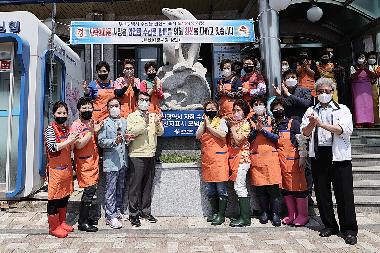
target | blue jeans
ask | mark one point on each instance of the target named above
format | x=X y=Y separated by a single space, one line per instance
x=216 y=189
x=114 y=195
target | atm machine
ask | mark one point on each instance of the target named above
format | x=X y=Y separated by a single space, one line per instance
x=25 y=93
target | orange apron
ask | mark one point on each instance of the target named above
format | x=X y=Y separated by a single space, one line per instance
x=234 y=161
x=100 y=104
x=306 y=81
x=293 y=178
x=59 y=168
x=247 y=96
x=129 y=101
x=265 y=164
x=226 y=103
x=214 y=158
x=87 y=163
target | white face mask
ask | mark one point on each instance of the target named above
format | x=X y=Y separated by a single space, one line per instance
x=259 y=109
x=285 y=68
x=115 y=112
x=371 y=61
x=238 y=117
x=291 y=82
x=226 y=72
x=361 y=61
x=144 y=105
x=324 y=98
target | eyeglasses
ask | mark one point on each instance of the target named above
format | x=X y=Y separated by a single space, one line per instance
x=325 y=91
x=142 y=100
x=129 y=68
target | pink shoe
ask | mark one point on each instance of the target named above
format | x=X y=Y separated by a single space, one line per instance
x=290 y=202
x=62 y=220
x=303 y=212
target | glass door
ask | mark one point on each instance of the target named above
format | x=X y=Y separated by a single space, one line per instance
x=10 y=80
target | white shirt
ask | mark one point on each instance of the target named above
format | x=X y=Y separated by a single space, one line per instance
x=325 y=138
x=341 y=145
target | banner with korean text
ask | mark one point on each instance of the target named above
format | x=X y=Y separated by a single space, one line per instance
x=161 y=32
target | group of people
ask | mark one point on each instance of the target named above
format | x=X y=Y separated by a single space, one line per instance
x=117 y=129
x=277 y=145
x=364 y=77
x=281 y=145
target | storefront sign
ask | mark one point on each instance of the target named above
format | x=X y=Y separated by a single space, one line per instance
x=13 y=26
x=161 y=32
x=5 y=65
x=181 y=123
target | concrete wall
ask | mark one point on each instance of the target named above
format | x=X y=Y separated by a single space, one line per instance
x=179 y=191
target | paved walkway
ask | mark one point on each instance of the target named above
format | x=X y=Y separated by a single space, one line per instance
x=24 y=229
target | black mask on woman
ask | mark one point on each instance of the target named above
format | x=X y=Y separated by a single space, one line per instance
x=86 y=115
x=152 y=76
x=325 y=61
x=103 y=77
x=248 y=69
x=279 y=114
x=60 y=120
x=211 y=114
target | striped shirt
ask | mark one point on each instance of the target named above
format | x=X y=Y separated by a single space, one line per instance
x=50 y=139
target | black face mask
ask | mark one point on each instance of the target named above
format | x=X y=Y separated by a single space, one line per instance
x=103 y=77
x=303 y=58
x=238 y=72
x=325 y=61
x=248 y=69
x=152 y=76
x=279 y=114
x=86 y=115
x=211 y=114
x=60 y=120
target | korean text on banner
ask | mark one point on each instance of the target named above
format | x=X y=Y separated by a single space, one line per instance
x=162 y=32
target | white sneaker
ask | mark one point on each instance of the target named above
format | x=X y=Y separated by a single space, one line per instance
x=114 y=223
x=122 y=217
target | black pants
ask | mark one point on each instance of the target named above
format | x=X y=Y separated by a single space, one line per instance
x=54 y=204
x=325 y=172
x=88 y=199
x=271 y=191
x=296 y=194
x=140 y=175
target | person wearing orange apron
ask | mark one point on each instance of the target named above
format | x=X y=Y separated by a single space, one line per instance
x=265 y=173
x=294 y=185
x=230 y=88
x=239 y=159
x=212 y=134
x=375 y=68
x=326 y=68
x=86 y=157
x=127 y=88
x=253 y=82
x=306 y=70
x=100 y=91
x=153 y=86
x=59 y=170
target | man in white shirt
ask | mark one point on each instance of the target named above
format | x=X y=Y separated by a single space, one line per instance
x=328 y=126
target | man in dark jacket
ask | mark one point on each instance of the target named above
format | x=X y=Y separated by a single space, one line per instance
x=296 y=99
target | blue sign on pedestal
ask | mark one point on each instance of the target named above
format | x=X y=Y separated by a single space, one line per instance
x=181 y=123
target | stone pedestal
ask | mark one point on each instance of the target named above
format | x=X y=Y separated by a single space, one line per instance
x=179 y=191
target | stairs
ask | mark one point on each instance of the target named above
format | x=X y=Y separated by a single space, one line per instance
x=366 y=169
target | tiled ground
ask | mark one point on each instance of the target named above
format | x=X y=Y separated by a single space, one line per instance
x=26 y=231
